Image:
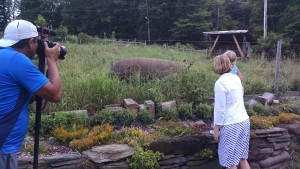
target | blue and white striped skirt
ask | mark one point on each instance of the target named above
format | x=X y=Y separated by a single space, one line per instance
x=234 y=143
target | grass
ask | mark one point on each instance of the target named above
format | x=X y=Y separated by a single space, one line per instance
x=87 y=84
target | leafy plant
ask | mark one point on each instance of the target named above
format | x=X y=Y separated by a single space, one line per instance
x=204 y=111
x=185 y=110
x=261 y=110
x=144 y=159
x=124 y=117
x=169 y=114
x=103 y=116
x=145 y=116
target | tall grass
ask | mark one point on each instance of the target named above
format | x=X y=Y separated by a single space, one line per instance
x=87 y=84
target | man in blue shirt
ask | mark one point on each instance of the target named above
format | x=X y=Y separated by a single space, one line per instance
x=19 y=80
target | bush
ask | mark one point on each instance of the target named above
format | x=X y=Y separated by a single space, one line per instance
x=249 y=110
x=261 y=110
x=169 y=114
x=185 y=110
x=47 y=124
x=103 y=116
x=204 y=111
x=124 y=118
x=145 y=117
x=144 y=159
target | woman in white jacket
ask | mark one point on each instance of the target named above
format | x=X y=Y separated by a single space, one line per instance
x=231 y=121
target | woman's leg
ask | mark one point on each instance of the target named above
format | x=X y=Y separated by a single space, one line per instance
x=244 y=164
x=232 y=167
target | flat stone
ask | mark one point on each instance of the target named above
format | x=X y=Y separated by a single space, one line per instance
x=284 y=138
x=269 y=131
x=271 y=161
x=59 y=158
x=111 y=152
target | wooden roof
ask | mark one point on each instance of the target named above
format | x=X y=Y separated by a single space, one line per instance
x=226 y=32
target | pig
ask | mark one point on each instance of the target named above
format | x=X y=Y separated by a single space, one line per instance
x=148 y=68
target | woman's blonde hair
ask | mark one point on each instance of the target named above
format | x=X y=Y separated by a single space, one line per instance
x=231 y=55
x=222 y=64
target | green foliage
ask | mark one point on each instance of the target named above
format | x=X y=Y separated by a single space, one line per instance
x=72 y=39
x=47 y=124
x=41 y=21
x=204 y=111
x=249 y=110
x=145 y=116
x=42 y=148
x=185 y=110
x=103 y=116
x=172 y=129
x=62 y=31
x=195 y=86
x=261 y=110
x=124 y=117
x=168 y=114
x=84 y=38
x=144 y=159
x=269 y=44
x=206 y=153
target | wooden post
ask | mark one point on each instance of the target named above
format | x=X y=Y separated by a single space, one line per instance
x=238 y=46
x=212 y=48
x=277 y=67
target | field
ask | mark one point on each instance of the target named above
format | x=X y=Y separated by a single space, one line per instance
x=87 y=84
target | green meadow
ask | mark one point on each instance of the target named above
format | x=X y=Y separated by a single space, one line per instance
x=88 y=85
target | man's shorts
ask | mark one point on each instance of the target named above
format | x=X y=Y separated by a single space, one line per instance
x=8 y=161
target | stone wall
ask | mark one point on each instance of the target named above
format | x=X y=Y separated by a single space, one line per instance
x=269 y=148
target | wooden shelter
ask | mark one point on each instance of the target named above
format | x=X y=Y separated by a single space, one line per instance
x=235 y=40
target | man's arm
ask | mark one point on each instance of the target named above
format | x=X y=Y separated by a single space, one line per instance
x=52 y=90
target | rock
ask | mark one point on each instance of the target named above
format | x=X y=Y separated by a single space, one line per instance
x=271 y=161
x=168 y=105
x=111 y=152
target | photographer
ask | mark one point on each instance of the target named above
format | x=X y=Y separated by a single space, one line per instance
x=19 y=80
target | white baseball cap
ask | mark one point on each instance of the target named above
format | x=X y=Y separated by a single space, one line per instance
x=16 y=31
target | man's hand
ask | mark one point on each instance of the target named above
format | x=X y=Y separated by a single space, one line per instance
x=52 y=54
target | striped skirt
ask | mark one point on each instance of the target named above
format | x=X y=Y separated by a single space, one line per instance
x=234 y=143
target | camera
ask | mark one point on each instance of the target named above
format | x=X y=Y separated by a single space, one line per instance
x=41 y=48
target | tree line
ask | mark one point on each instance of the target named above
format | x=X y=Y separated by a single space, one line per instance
x=166 y=21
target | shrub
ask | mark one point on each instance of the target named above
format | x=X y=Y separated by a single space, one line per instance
x=145 y=117
x=124 y=117
x=261 y=110
x=103 y=116
x=169 y=114
x=98 y=135
x=66 y=134
x=249 y=110
x=172 y=129
x=185 y=110
x=144 y=159
x=259 y=122
x=47 y=124
x=204 y=111
x=206 y=153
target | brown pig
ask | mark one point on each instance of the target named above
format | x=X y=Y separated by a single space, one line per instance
x=147 y=67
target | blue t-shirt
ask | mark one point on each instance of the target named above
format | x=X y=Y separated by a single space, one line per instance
x=234 y=69
x=17 y=72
